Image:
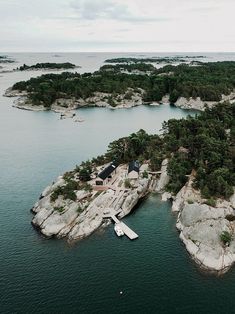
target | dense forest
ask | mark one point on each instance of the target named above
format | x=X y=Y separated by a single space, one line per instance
x=208 y=81
x=157 y=60
x=129 y=67
x=204 y=144
x=47 y=65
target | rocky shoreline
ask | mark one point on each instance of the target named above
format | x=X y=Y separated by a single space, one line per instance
x=131 y=98
x=77 y=219
x=200 y=225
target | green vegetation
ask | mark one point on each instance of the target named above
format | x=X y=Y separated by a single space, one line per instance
x=47 y=65
x=145 y=174
x=211 y=202
x=203 y=145
x=142 y=67
x=208 y=81
x=127 y=184
x=59 y=209
x=209 y=151
x=153 y=59
x=67 y=191
x=80 y=209
x=85 y=171
x=226 y=237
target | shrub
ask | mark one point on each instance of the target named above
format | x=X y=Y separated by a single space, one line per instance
x=145 y=174
x=226 y=237
x=127 y=184
x=210 y=202
x=190 y=201
x=59 y=209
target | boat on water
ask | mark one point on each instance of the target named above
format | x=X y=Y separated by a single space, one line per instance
x=118 y=230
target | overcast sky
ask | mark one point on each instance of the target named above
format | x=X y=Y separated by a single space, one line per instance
x=117 y=25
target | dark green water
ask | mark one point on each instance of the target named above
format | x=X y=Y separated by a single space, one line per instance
x=38 y=275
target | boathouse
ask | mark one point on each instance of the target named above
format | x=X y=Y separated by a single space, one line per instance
x=133 y=170
x=106 y=174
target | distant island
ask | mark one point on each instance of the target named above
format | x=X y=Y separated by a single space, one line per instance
x=192 y=163
x=125 y=86
x=47 y=66
x=6 y=59
x=132 y=68
x=158 y=60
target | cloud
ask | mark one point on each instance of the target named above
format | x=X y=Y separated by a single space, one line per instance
x=108 y=10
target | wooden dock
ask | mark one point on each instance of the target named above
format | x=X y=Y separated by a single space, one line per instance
x=127 y=230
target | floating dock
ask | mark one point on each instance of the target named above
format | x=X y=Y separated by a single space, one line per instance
x=128 y=231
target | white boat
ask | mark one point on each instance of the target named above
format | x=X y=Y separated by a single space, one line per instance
x=118 y=230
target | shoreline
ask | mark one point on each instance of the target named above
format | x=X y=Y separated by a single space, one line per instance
x=194 y=217
x=67 y=106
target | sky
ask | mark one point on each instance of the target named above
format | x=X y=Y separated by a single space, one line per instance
x=117 y=25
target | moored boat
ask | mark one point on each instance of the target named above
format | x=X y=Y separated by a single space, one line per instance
x=118 y=230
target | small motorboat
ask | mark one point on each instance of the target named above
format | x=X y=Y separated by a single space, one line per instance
x=118 y=230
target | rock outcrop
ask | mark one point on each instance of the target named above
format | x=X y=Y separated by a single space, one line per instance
x=78 y=219
x=201 y=227
x=164 y=178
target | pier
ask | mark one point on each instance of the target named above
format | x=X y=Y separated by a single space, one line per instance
x=127 y=230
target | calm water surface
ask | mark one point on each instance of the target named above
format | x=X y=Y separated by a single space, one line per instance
x=48 y=276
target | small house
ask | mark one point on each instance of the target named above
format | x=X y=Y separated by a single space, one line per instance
x=106 y=174
x=133 y=170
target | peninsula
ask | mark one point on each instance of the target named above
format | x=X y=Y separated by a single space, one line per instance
x=192 y=163
x=128 y=85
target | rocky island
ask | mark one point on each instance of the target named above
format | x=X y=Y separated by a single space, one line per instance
x=6 y=59
x=47 y=66
x=192 y=163
x=128 y=85
x=157 y=60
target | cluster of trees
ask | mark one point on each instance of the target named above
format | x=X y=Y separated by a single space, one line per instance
x=204 y=144
x=129 y=67
x=148 y=60
x=208 y=81
x=47 y=65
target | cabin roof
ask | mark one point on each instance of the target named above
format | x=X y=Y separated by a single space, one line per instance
x=107 y=171
x=134 y=166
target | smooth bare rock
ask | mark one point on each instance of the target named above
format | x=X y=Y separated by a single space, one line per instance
x=200 y=229
x=41 y=216
x=232 y=199
x=130 y=201
x=143 y=186
x=194 y=213
x=165 y=99
x=185 y=195
x=164 y=178
x=57 y=221
x=192 y=103
x=43 y=203
x=166 y=196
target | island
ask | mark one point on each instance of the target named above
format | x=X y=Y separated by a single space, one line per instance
x=6 y=59
x=47 y=66
x=191 y=163
x=158 y=60
x=185 y=86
